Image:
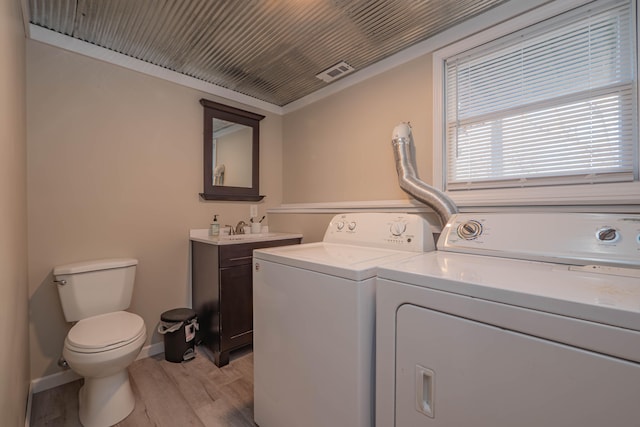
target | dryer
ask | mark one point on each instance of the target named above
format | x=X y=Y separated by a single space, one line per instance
x=314 y=312
x=517 y=320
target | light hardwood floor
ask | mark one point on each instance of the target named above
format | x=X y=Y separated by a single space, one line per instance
x=195 y=393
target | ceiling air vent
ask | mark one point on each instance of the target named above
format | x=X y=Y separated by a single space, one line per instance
x=335 y=72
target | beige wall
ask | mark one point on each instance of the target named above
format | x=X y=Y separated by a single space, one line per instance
x=311 y=226
x=14 y=350
x=339 y=148
x=115 y=168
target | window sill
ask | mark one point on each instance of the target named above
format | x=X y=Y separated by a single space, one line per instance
x=613 y=194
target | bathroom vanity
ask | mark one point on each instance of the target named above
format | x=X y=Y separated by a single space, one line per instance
x=222 y=287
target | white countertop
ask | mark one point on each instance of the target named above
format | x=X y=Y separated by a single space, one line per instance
x=202 y=235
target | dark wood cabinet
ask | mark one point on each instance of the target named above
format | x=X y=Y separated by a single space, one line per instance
x=222 y=292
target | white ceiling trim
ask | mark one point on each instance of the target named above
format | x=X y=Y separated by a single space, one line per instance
x=65 y=42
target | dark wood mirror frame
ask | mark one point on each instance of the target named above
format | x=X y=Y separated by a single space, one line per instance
x=224 y=112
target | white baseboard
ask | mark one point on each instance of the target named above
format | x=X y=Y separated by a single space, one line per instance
x=53 y=380
x=67 y=376
x=151 y=350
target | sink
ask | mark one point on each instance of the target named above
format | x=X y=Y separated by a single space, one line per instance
x=202 y=235
x=253 y=236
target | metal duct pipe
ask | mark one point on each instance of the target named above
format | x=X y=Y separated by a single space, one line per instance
x=403 y=151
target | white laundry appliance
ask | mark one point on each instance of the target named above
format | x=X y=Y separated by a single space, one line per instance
x=523 y=320
x=314 y=312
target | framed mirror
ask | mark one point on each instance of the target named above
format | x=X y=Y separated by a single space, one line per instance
x=231 y=153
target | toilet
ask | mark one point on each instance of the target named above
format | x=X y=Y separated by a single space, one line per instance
x=105 y=340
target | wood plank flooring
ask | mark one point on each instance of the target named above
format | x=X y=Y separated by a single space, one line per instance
x=195 y=393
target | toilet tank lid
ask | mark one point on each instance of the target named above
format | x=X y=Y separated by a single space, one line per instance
x=95 y=265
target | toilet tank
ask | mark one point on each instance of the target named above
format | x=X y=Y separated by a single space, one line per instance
x=90 y=288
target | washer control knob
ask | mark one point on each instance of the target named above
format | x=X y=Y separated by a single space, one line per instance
x=608 y=235
x=469 y=230
x=397 y=228
x=340 y=225
x=352 y=225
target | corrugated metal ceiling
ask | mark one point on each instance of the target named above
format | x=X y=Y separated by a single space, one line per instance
x=268 y=49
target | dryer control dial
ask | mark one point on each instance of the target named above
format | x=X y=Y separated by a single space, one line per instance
x=397 y=228
x=469 y=230
x=340 y=225
x=608 y=235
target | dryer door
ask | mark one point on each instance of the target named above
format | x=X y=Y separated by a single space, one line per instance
x=456 y=372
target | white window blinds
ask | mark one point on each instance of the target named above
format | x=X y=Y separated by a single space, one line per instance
x=552 y=104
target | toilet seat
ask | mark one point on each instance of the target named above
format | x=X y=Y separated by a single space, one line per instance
x=105 y=332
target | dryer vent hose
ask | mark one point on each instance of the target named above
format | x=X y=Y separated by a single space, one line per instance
x=403 y=151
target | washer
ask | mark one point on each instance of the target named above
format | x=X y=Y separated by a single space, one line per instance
x=314 y=312
x=517 y=320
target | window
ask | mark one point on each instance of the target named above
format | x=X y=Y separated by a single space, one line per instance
x=551 y=105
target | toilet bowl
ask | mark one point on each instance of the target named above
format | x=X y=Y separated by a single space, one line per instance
x=105 y=340
x=100 y=348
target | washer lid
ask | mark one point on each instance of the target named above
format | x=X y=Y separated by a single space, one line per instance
x=346 y=261
x=106 y=330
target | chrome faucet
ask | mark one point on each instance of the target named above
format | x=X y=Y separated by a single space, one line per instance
x=231 y=230
x=240 y=227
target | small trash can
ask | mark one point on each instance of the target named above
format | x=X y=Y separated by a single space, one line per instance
x=179 y=328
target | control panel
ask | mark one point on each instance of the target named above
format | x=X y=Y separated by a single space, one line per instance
x=572 y=238
x=407 y=232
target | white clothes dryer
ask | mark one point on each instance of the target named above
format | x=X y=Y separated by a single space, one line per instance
x=314 y=312
x=521 y=320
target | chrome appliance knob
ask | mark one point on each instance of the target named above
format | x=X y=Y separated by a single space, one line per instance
x=607 y=234
x=469 y=230
x=397 y=228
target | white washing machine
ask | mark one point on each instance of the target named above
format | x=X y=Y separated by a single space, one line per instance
x=523 y=320
x=314 y=312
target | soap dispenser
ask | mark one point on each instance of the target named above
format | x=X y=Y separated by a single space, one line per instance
x=214 y=229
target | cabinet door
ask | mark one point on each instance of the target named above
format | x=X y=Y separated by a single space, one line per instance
x=236 y=306
x=205 y=294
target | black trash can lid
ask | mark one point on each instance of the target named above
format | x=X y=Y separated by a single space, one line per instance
x=178 y=315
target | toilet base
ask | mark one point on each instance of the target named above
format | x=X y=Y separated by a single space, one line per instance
x=106 y=401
